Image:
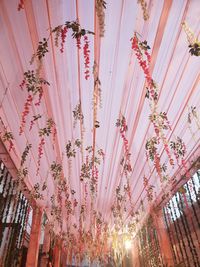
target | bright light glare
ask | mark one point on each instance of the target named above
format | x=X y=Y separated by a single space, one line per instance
x=128 y=244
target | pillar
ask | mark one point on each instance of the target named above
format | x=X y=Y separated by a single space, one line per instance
x=63 y=259
x=33 y=249
x=57 y=255
x=135 y=254
x=46 y=246
x=163 y=238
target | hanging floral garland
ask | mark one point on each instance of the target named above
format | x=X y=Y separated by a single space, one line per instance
x=77 y=33
x=90 y=169
x=122 y=125
x=158 y=119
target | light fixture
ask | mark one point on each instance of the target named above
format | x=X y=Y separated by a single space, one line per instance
x=128 y=244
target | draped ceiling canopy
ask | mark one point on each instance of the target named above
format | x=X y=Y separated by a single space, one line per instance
x=83 y=114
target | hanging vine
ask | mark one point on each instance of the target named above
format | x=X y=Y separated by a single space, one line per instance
x=158 y=119
x=43 y=132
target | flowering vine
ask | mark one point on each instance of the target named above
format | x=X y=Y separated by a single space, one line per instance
x=77 y=114
x=46 y=131
x=125 y=162
x=22 y=173
x=56 y=211
x=20 y=5
x=100 y=6
x=90 y=169
x=42 y=49
x=194 y=44
x=86 y=52
x=148 y=188
x=158 y=119
x=25 y=154
x=77 y=32
x=144 y=9
x=193 y=114
x=56 y=170
x=179 y=148
x=35 y=118
x=122 y=125
x=7 y=137
x=97 y=99
x=34 y=86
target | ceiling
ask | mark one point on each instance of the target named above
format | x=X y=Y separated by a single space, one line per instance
x=123 y=91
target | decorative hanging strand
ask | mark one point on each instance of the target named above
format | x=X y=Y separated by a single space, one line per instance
x=194 y=210
x=187 y=230
x=180 y=238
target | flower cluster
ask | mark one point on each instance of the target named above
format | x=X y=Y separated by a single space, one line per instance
x=56 y=170
x=86 y=170
x=49 y=129
x=161 y=123
x=63 y=37
x=32 y=82
x=70 y=151
x=35 y=193
x=178 y=147
x=86 y=53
